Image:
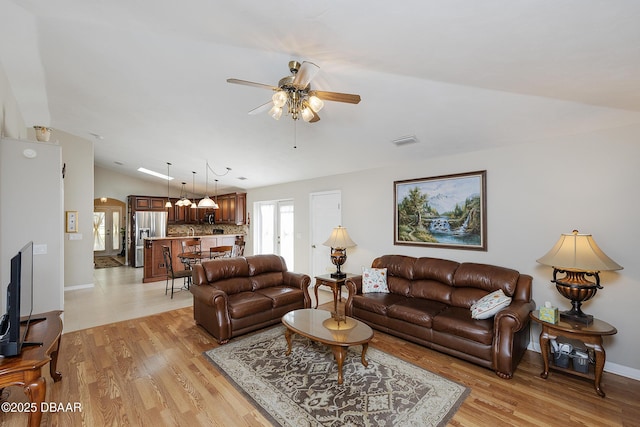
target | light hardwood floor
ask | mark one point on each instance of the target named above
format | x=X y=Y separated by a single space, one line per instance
x=150 y=371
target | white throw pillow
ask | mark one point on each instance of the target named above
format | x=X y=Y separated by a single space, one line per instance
x=489 y=305
x=374 y=280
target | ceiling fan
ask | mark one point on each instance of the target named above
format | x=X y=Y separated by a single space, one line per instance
x=295 y=94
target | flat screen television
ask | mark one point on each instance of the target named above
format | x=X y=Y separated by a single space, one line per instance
x=19 y=303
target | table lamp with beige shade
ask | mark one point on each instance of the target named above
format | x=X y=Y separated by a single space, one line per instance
x=577 y=256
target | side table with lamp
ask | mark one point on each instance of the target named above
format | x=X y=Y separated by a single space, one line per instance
x=578 y=257
x=338 y=241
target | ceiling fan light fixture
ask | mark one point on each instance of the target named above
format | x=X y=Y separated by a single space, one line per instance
x=279 y=98
x=307 y=114
x=275 y=112
x=315 y=103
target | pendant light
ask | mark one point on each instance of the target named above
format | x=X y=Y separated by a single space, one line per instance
x=207 y=202
x=194 y=205
x=168 y=204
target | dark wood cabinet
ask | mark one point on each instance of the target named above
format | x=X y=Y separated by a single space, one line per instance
x=146 y=203
x=232 y=208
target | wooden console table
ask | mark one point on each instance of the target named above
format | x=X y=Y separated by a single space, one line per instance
x=26 y=369
x=591 y=335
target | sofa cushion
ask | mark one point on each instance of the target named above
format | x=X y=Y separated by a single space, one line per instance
x=487 y=277
x=266 y=280
x=489 y=305
x=416 y=310
x=374 y=280
x=396 y=265
x=233 y=285
x=431 y=289
x=376 y=303
x=259 y=264
x=441 y=270
x=282 y=295
x=225 y=268
x=245 y=304
x=457 y=321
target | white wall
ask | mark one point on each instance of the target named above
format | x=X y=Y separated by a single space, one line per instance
x=31 y=210
x=118 y=186
x=77 y=155
x=535 y=192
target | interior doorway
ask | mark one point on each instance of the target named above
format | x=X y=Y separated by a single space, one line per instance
x=108 y=227
x=274 y=229
x=326 y=214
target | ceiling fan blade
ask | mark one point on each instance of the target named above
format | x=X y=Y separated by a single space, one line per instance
x=305 y=74
x=248 y=83
x=338 y=97
x=316 y=117
x=261 y=109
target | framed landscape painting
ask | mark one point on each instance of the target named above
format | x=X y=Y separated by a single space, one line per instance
x=448 y=211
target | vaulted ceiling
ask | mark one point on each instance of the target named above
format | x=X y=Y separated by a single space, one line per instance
x=146 y=79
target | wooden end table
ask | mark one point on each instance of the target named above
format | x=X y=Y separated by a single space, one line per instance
x=26 y=369
x=591 y=335
x=335 y=284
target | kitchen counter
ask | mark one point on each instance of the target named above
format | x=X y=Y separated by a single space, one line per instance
x=154 y=264
x=201 y=236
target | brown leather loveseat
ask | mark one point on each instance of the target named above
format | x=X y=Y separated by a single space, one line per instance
x=233 y=296
x=429 y=303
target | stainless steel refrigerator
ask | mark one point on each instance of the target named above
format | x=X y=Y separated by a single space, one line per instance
x=148 y=224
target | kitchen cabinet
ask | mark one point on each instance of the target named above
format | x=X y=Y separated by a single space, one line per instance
x=232 y=209
x=145 y=203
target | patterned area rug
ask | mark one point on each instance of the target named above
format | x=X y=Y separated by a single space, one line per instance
x=302 y=389
x=107 y=261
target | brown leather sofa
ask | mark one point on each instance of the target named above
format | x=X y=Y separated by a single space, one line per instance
x=429 y=304
x=233 y=296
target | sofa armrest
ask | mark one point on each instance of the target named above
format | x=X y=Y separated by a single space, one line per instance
x=210 y=295
x=300 y=281
x=506 y=348
x=354 y=286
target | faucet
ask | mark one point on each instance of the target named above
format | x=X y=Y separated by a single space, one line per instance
x=192 y=231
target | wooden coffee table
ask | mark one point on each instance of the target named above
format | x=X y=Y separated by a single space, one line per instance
x=319 y=326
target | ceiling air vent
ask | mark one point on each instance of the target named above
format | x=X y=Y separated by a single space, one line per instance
x=405 y=140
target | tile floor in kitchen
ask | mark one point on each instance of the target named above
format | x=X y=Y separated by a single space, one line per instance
x=119 y=294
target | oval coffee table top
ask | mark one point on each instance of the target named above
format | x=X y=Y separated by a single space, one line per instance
x=318 y=325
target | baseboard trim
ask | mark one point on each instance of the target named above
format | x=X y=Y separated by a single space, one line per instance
x=76 y=287
x=614 y=368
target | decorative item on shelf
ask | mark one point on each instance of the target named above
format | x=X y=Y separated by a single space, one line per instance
x=576 y=256
x=168 y=204
x=43 y=133
x=339 y=241
x=207 y=202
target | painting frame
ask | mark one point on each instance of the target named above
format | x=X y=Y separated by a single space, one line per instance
x=446 y=211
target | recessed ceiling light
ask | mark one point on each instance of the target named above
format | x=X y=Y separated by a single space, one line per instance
x=118 y=163
x=153 y=173
x=96 y=136
x=242 y=178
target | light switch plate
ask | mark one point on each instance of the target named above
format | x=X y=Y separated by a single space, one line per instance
x=40 y=249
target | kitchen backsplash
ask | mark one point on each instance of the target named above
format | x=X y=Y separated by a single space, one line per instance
x=205 y=229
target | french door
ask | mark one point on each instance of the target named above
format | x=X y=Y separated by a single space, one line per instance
x=274 y=229
x=107 y=239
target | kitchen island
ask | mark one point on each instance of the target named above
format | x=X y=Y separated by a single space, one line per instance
x=154 y=266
